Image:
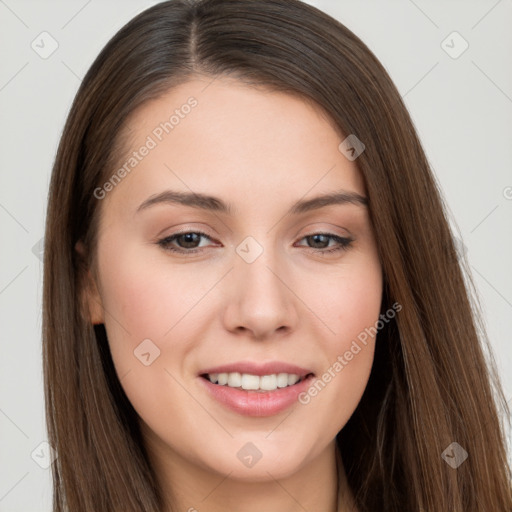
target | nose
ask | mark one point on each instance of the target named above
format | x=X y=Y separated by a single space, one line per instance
x=260 y=298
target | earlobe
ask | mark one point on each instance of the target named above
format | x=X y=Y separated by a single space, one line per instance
x=94 y=302
x=92 y=305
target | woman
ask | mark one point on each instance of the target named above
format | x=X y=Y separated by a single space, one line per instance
x=252 y=298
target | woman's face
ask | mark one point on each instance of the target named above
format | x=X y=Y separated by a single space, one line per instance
x=253 y=283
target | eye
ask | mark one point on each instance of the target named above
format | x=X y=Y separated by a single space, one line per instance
x=188 y=242
x=189 y=239
x=321 y=239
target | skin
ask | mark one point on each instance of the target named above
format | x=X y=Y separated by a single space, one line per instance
x=260 y=151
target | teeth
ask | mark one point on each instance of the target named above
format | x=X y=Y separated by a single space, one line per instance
x=254 y=382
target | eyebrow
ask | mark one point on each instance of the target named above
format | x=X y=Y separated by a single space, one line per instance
x=214 y=204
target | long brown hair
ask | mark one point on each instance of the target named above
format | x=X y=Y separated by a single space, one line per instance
x=430 y=384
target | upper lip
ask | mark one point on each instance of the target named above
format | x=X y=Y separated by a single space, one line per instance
x=259 y=369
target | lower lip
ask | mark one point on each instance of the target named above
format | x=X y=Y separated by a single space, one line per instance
x=257 y=403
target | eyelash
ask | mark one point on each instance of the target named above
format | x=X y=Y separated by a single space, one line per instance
x=344 y=243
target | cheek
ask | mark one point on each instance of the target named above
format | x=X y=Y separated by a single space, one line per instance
x=349 y=304
x=349 y=301
x=145 y=298
x=145 y=315
x=142 y=304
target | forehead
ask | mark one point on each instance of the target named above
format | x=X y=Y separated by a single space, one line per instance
x=228 y=139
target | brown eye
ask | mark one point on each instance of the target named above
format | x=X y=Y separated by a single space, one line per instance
x=320 y=242
x=187 y=242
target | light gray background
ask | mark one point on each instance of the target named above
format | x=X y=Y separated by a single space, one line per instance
x=462 y=108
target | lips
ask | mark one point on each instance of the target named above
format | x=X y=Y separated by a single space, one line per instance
x=252 y=401
x=256 y=403
x=260 y=369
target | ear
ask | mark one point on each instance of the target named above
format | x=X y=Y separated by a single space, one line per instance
x=92 y=305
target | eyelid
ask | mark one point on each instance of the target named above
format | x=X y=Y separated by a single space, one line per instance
x=190 y=228
x=320 y=228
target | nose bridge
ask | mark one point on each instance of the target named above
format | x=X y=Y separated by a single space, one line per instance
x=260 y=301
x=256 y=262
x=256 y=267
